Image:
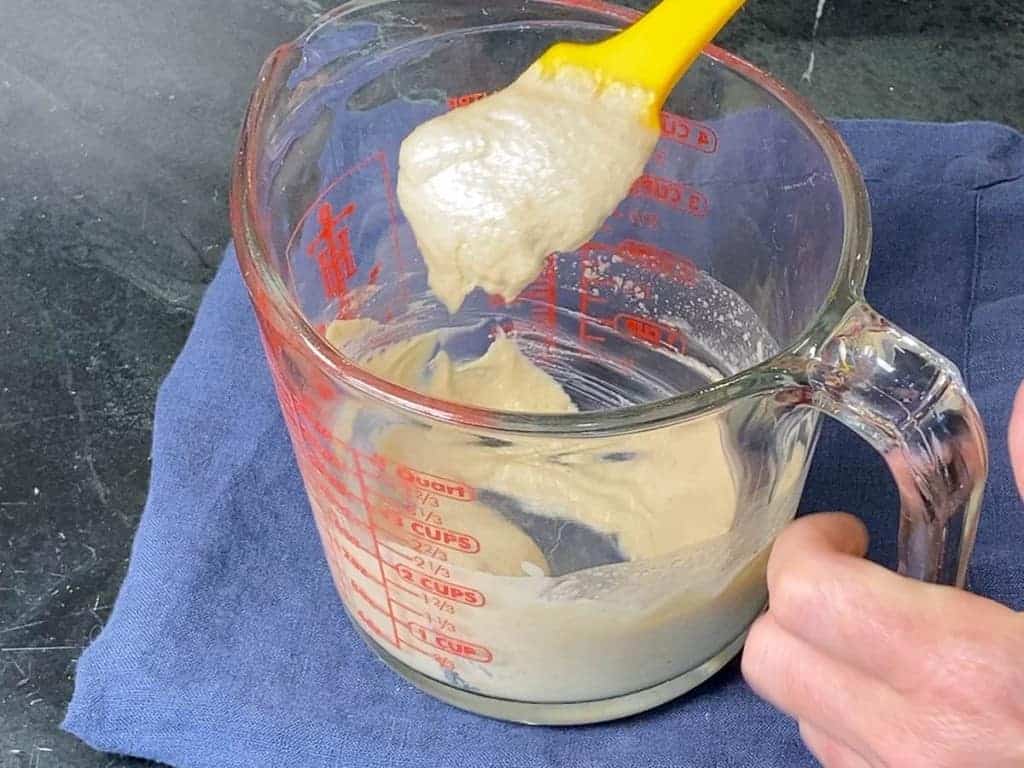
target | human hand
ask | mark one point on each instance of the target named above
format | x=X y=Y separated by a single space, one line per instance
x=882 y=671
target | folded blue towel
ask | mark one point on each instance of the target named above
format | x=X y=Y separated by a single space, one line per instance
x=228 y=646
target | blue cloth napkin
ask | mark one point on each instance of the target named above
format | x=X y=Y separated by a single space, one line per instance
x=228 y=647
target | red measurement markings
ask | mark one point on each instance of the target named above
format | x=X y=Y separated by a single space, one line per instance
x=662 y=262
x=288 y=375
x=454 y=102
x=384 y=507
x=361 y=569
x=307 y=409
x=302 y=406
x=329 y=481
x=688 y=133
x=310 y=428
x=440 y=570
x=590 y=284
x=654 y=333
x=414 y=644
x=325 y=454
x=338 y=509
x=419 y=559
x=423 y=498
x=395 y=551
x=398 y=585
x=440 y=587
x=448 y=644
x=335 y=526
x=380 y=498
x=443 y=661
x=544 y=292
x=332 y=249
x=594 y=282
x=310 y=422
x=445 y=625
x=371 y=625
x=325 y=493
x=427 y=515
x=432 y=534
x=641 y=219
x=425 y=564
x=427 y=549
x=424 y=506
x=374 y=464
x=284 y=395
x=410 y=609
x=366 y=598
x=674 y=194
x=435 y=602
x=446 y=537
x=344 y=255
x=340 y=578
x=376 y=546
x=425 y=552
x=452 y=489
x=334 y=555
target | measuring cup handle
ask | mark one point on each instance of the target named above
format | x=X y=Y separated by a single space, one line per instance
x=911 y=404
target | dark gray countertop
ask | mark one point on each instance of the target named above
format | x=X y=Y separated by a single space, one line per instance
x=116 y=132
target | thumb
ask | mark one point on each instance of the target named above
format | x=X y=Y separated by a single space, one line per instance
x=813 y=536
x=1016 y=440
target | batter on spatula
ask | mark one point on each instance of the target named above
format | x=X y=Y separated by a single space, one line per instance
x=491 y=189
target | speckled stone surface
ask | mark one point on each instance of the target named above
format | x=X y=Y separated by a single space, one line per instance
x=116 y=132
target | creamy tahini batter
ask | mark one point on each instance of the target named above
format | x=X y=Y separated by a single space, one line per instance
x=692 y=582
x=492 y=188
x=638 y=496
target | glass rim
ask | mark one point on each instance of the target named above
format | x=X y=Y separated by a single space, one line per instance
x=270 y=296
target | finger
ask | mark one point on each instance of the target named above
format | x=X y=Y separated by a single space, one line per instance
x=1016 y=440
x=829 y=751
x=862 y=614
x=833 y=532
x=810 y=686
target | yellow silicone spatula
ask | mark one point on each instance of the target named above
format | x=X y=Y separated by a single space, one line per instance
x=654 y=52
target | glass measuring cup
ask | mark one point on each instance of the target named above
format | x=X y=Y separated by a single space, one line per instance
x=564 y=568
